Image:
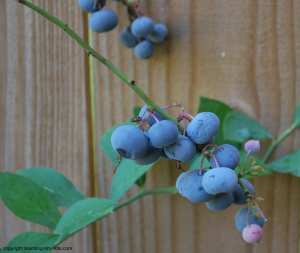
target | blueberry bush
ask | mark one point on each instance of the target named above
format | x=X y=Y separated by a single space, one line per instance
x=218 y=150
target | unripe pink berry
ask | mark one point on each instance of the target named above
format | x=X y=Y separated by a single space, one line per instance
x=252 y=233
x=252 y=146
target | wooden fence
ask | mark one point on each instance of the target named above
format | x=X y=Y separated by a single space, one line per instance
x=245 y=52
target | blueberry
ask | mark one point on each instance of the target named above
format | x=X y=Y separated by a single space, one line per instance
x=241 y=191
x=144 y=49
x=220 y=202
x=219 y=180
x=142 y=26
x=88 y=5
x=152 y=156
x=163 y=133
x=225 y=155
x=158 y=34
x=248 y=185
x=130 y=142
x=246 y=216
x=203 y=127
x=144 y=114
x=189 y=185
x=182 y=150
x=127 y=38
x=239 y=196
x=103 y=20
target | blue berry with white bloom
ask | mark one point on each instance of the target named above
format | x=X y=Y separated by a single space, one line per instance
x=130 y=142
x=151 y=156
x=225 y=155
x=127 y=38
x=144 y=49
x=163 y=133
x=189 y=185
x=220 y=202
x=246 y=216
x=203 y=127
x=220 y=180
x=88 y=5
x=158 y=34
x=142 y=27
x=182 y=150
x=103 y=20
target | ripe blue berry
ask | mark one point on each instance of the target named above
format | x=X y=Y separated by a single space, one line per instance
x=182 y=150
x=189 y=185
x=103 y=20
x=246 y=216
x=158 y=34
x=127 y=38
x=225 y=155
x=152 y=156
x=88 y=5
x=219 y=180
x=248 y=185
x=163 y=133
x=203 y=127
x=220 y=202
x=239 y=196
x=130 y=142
x=144 y=114
x=142 y=26
x=242 y=190
x=144 y=50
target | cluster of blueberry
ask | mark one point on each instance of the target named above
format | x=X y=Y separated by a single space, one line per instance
x=153 y=138
x=218 y=186
x=141 y=34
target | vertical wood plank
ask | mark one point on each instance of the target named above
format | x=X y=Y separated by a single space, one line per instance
x=243 y=52
x=235 y=51
x=43 y=105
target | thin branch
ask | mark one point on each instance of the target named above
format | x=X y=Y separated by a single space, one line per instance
x=91 y=51
x=277 y=141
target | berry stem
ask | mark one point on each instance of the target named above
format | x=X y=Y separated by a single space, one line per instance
x=132 y=9
x=144 y=193
x=153 y=116
x=91 y=51
x=130 y=200
x=281 y=137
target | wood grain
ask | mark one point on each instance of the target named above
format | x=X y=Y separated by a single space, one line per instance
x=43 y=102
x=242 y=52
x=246 y=53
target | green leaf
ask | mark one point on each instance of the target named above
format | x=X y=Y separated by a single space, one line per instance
x=238 y=127
x=136 y=110
x=125 y=177
x=83 y=213
x=287 y=164
x=297 y=116
x=28 y=200
x=106 y=146
x=140 y=182
x=59 y=187
x=24 y=242
x=196 y=162
x=217 y=107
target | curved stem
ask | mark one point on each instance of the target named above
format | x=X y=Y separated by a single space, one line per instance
x=91 y=51
x=277 y=141
x=144 y=193
x=130 y=200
